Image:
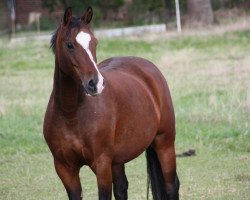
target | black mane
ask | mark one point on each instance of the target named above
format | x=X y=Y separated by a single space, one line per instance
x=74 y=23
x=53 y=40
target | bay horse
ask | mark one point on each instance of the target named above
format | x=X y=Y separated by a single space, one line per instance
x=105 y=115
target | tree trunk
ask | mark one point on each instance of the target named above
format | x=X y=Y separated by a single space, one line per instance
x=200 y=12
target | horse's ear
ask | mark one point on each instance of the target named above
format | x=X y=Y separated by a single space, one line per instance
x=87 y=16
x=67 y=16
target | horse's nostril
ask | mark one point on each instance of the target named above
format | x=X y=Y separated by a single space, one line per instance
x=91 y=83
x=92 y=86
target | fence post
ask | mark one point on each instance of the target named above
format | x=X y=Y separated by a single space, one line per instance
x=178 y=18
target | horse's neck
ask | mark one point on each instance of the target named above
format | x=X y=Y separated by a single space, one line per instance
x=67 y=93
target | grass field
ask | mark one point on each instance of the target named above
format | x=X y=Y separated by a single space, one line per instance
x=209 y=77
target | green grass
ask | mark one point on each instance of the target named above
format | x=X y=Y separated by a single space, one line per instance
x=209 y=78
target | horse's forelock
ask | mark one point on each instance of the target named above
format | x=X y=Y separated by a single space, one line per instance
x=75 y=23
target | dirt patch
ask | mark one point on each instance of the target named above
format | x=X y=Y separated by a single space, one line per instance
x=242 y=177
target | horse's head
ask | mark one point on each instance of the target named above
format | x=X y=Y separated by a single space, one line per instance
x=74 y=46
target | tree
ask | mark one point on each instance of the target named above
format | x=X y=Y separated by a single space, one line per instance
x=144 y=11
x=101 y=7
x=200 y=12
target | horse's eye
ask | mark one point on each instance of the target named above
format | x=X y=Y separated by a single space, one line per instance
x=70 y=45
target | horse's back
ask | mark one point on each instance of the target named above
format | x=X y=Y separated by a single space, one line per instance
x=129 y=64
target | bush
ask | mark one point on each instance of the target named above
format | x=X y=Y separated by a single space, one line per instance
x=47 y=23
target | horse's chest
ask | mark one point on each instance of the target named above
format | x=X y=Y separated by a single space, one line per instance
x=67 y=144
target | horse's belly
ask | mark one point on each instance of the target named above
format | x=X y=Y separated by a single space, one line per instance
x=132 y=139
x=132 y=147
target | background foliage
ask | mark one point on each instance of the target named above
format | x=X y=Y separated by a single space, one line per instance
x=139 y=11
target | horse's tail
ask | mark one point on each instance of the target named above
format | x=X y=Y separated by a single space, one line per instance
x=155 y=176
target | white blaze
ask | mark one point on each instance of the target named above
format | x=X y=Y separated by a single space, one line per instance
x=84 y=39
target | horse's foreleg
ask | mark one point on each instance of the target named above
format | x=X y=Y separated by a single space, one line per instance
x=70 y=179
x=103 y=173
x=166 y=154
x=120 y=182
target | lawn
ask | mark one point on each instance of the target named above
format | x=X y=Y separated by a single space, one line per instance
x=209 y=78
